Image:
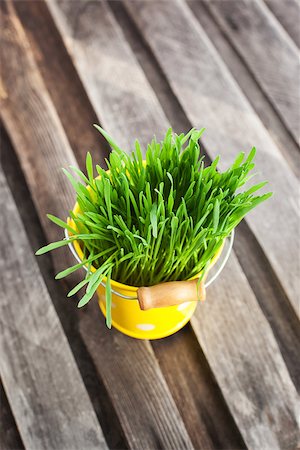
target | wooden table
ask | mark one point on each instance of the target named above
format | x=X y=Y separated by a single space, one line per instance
x=228 y=380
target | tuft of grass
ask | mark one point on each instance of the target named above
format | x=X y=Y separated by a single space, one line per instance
x=162 y=219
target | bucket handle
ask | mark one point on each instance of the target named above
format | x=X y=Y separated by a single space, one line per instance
x=161 y=295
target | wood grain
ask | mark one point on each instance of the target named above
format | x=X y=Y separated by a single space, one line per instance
x=42 y=149
x=288 y=14
x=265 y=399
x=210 y=97
x=151 y=69
x=196 y=392
x=65 y=310
x=250 y=87
x=113 y=71
x=260 y=394
x=250 y=26
x=44 y=387
x=140 y=394
x=171 y=293
x=62 y=82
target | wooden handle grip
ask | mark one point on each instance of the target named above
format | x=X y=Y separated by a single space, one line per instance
x=170 y=294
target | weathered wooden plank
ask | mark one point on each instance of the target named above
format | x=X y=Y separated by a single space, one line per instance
x=62 y=82
x=256 y=97
x=210 y=97
x=114 y=70
x=261 y=397
x=43 y=384
x=288 y=14
x=100 y=400
x=151 y=69
x=45 y=143
x=272 y=299
x=262 y=400
x=199 y=398
x=204 y=411
x=253 y=31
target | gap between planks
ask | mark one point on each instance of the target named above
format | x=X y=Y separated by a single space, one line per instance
x=10 y=438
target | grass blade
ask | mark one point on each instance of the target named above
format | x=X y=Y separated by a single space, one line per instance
x=108 y=300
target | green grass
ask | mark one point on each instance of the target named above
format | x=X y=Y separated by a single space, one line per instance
x=142 y=224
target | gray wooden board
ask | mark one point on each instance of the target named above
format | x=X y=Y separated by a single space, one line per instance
x=115 y=87
x=288 y=14
x=243 y=350
x=43 y=149
x=255 y=33
x=265 y=395
x=61 y=80
x=45 y=390
x=239 y=69
x=211 y=98
x=198 y=396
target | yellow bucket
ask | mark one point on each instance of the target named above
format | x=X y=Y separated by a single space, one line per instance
x=127 y=316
